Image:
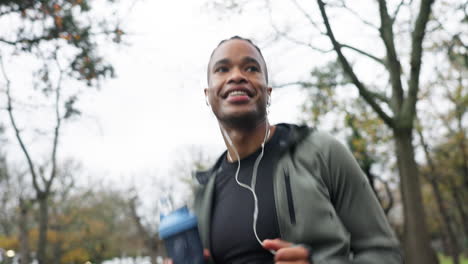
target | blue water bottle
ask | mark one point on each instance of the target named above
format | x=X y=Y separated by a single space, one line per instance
x=179 y=231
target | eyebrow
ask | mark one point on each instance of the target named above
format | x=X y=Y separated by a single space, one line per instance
x=221 y=62
x=249 y=59
x=246 y=59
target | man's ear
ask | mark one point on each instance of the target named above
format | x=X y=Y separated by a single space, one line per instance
x=269 y=89
x=207 y=101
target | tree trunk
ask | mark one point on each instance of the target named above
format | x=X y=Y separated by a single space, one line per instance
x=43 y=223
x=417 y=246
x=154 y=256
x=57 y=250
x=454 y=252
x=153 y=244
x=23 y=233
x=445 y=243
x=455 y=191
x=462 y=146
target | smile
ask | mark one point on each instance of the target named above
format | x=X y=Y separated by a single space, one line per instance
x=238 y=96
x=237 y=93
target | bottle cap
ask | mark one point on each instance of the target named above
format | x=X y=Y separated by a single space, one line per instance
x=176 y=222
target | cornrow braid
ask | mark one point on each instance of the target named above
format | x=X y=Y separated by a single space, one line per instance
x=239 y=38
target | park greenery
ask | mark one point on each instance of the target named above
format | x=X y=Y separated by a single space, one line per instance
x=406 y=124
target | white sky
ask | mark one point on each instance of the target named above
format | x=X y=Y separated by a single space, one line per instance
x=138 y=122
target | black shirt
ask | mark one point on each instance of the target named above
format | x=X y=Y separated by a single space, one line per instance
x=232 y=235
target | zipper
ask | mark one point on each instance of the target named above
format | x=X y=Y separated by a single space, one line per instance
x=292 y=213
x=275 y=195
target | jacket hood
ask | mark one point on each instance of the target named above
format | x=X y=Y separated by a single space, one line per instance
x=295 y=135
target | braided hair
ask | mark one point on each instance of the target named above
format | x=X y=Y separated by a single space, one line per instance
x=238 y=38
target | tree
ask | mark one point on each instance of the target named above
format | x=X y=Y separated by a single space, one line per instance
x=146 y=216
x=151 y=240
x=91 y=224
x=61 y=38
x=402 y=105
x=190 y=159
x=365 y=133
x=445 y=101
x=86 y=223
x=401 y=28
x=447 y=221
x=16 y=207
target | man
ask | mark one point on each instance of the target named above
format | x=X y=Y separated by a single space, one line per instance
x=281 y=193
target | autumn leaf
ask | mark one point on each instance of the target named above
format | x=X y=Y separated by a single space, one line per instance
x=58 y=21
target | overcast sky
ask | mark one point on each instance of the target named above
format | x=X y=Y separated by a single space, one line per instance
x=155 y=107
x=138 y=123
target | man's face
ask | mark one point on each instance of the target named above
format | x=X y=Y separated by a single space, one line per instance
x=237 y=88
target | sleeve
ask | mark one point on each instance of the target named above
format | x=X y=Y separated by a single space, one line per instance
x=372 y=239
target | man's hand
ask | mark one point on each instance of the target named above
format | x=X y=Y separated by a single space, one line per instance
x=287 y=253
x=206 y=254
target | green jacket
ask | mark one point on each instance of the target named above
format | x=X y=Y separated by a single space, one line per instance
x=323 y=200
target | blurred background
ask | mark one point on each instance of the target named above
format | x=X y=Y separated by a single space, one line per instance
x=102 y=113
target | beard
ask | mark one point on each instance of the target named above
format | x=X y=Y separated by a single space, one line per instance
x=243 y=121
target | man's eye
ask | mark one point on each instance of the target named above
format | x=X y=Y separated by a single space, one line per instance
x=253 y=69
x=222 y=69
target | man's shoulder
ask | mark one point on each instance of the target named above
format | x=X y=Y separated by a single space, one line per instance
x=321 y=143
x=304 y=134
x=302 y=138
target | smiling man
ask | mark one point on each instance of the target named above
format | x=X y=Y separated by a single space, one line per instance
x=281 y=193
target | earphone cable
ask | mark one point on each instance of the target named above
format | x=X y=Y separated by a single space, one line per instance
x=253 y=180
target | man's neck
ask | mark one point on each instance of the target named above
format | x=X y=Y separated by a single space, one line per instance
x=246 y=141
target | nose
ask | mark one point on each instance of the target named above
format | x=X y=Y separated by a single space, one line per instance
x=236 y=76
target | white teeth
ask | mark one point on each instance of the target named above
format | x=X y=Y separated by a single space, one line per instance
x=236 y=93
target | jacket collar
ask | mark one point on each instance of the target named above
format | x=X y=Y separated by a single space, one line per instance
x=295 y=135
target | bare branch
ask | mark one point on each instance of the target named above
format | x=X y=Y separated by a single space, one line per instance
x=417 y=37
x=58 y=120
x=293 y=40
x=379 y=60
x=7 y=41
x=309 y=18
x=38 y=39
x=367 y=96
x=380 y=97
x=9 y=11
x=356 y=14
x=391 y=199
x=394 y=65
x=298 y=42
x=442 y=118
x=426 y=152
x=150 y=242
x=305 y=84
x=28 y=41
x=397 y=10
x=283 y=85
x=15 y=127
x=42 y=175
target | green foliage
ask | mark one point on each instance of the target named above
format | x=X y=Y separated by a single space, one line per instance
x=323 y=96
x=329 y=101
x=46 y=26
x=61 y=42
x=87 y=226
x=447 y=260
